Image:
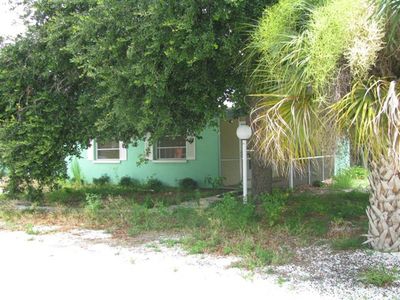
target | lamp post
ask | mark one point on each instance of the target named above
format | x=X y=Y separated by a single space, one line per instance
x=243 y=132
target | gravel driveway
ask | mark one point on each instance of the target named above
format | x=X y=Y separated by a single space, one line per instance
x=87 y=264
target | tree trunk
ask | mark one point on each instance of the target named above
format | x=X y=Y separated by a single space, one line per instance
x=384 y=210
x=261 y=177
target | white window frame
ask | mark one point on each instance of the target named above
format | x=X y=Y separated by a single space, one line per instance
x=151 y=149
x=93 y=153
x=157 y=149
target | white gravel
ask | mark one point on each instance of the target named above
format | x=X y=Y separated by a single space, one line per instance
x=87 y=264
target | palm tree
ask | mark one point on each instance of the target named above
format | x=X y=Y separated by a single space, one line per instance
x=326 y=69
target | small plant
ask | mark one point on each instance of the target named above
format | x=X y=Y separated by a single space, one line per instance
x=154 y=184
x=128 y=181
x=214 y=182
x=77 y=174
x=273 y=206
x=29 y=229
x=198 y=247
x=379 y=276
x=188 y=184
x=93 y=204
x=232 y=214
x=102 y=180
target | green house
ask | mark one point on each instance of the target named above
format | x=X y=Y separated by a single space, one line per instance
x=216 y=155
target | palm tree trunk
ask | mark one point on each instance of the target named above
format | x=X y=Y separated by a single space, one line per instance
x=384 y=210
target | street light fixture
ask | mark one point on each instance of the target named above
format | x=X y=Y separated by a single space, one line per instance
x=243 y=132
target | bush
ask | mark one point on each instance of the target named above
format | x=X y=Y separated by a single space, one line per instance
x=154 y=184
x=273 y=206
x=233 y=214
x=317 y=183
x=188 y=184
x=102 y=180
x=128 y=181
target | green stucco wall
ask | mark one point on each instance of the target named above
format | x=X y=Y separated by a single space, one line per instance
x=342 y=157
x=205 y=164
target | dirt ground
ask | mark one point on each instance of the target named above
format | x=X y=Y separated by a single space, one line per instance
x=87 y=264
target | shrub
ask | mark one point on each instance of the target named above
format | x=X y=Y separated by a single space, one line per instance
x=188 y=184
x=317 y=183
x=233 y=214
x=273 y=206
x=154 y=184
x=128 y=181
x=102 y=180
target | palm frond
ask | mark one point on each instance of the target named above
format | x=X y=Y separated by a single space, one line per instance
x=370 y=113
x=390 y=11
x=285 y=128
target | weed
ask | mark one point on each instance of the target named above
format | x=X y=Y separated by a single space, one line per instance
x=29 y=229
x=233 y=214
x=170 y=243
x=281 y=280
x=273 y=206
x=214 y=182
x=351 y=178
x=93 y=204
x=198 y=247
x=77 y=173
x=350 y=243
x=227 y=250
x=379 y=276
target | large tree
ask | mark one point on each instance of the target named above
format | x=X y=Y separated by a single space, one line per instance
x=327 y=69
x=116 y=69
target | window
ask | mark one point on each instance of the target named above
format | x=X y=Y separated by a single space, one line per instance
x=171 y=148
x=108 y=150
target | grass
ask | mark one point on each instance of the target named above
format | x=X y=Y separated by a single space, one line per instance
x=263 y=233
x=351 y=178
x=379 y=276
x=350 y=243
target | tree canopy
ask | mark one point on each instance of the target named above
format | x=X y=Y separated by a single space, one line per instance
x=116 y=69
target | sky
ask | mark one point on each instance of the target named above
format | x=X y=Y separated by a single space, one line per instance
x=10 y=25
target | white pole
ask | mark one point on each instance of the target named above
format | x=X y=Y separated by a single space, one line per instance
x=244 y=153
x=291 y=174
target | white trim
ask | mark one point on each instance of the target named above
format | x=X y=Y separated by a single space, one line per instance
x=171 y=161
x=94 y=151
x=191 y=148
x=123 y=152
x=90 y=151
x=107 y=161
